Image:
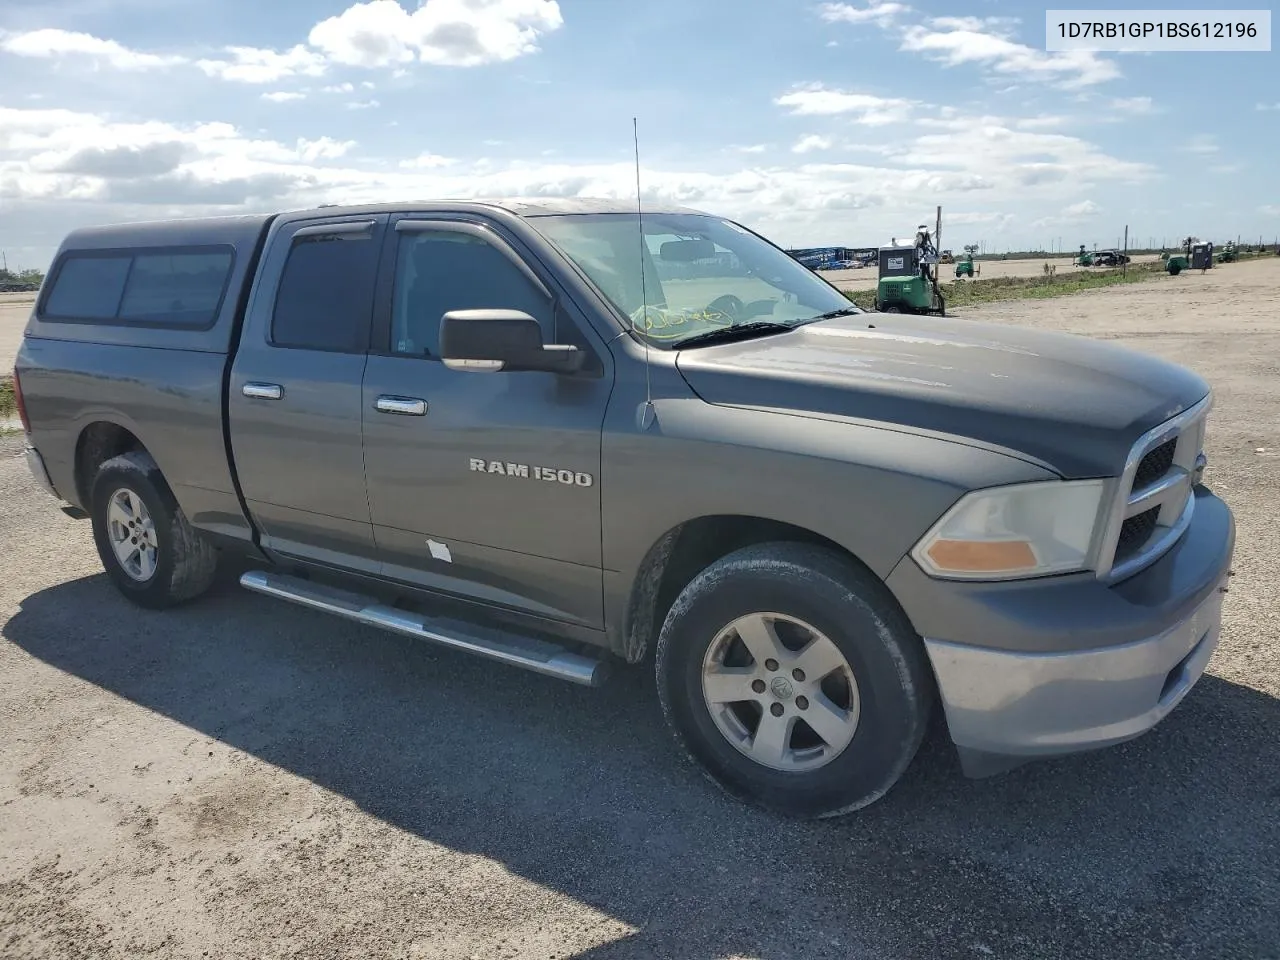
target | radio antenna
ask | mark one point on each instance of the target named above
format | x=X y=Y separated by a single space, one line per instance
x=646 y=412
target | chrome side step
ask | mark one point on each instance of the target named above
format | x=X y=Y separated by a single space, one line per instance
x=518 y=651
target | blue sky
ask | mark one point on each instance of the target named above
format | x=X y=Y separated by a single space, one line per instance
x=814 y=122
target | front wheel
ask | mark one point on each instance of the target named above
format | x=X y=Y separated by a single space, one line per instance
x=146 y=544
x=791 y=677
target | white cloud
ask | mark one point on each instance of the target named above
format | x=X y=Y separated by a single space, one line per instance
x=1085 y=208
x=61 y=168
x=817 y=100
x=810 y=143
x=426 y=161
x=984 y=42
x=1269 y=106
x=1201 y=143
x=339 y=88
x=51 y=43
x=324 y=148
x=460 y=33
x=877 y=11
x=994 y=149
x=362 y=104
x=1046 y=122
x=256 y=65
x=977 y=218
x=283 y=96
x=1133 y=105
x=1271 y=210
x=955 y=41
x=1076 y=213
x=752 y=148
x=378 y=33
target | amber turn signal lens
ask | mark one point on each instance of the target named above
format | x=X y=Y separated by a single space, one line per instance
x=979 y=556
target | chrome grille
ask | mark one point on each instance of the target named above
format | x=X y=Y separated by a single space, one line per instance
x=1152 y=506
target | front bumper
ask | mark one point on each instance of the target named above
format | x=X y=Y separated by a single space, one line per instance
x=1005 y=706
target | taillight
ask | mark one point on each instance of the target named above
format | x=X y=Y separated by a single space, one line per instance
x=17 y=399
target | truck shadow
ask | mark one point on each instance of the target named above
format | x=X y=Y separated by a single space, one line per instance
x=1148 y=849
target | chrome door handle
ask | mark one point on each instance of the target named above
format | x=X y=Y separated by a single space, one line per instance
x=405 y=406
x=263 y=391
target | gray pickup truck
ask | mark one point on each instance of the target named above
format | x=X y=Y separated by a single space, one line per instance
x=569 y=434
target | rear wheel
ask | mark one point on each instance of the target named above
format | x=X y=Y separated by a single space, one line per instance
x=791 y=677
x=146 y=544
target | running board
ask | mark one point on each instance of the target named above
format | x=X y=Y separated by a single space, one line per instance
x=527 y=652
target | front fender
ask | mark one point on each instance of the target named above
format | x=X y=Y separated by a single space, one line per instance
x=872 y=490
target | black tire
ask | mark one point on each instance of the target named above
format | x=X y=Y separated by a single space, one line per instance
x=859 y=615
x=185 y=562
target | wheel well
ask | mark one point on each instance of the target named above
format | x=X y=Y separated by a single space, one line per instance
x=685 y=551
x=98 y=443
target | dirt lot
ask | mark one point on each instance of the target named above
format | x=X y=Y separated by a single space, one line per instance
x=865 y=279
x=14 y=310
x=242 y=779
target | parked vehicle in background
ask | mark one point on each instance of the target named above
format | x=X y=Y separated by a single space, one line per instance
x=1110 y=258
x=517 y=430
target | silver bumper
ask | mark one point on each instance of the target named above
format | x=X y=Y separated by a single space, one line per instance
x=1019 y=705
x=35 y=463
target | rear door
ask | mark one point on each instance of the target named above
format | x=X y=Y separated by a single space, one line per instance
x=295 y=391
x=482 y=485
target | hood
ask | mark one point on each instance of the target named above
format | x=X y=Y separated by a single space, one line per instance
x=1075 y=403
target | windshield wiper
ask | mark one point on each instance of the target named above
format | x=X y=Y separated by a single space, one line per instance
x=739 y=331
x=831 y=315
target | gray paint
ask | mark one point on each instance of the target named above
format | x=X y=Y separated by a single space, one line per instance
x=300 y=459
x=863 y=435
x=1070 y=401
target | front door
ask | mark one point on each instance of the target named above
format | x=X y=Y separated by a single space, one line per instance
x=295 y=391
x=481 y=485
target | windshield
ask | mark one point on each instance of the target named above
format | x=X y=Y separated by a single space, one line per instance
x=701 y=273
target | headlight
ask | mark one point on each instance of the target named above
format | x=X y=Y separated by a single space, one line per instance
x=1022 y=530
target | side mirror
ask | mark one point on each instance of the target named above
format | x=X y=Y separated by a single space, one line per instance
x=489 y=341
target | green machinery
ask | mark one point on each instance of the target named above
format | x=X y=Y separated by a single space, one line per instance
x=1084 y=258
x=1229 y=254
x=965 y=267
x=1195 y=255
x=908 y=282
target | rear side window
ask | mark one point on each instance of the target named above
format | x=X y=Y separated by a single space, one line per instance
x=325 y=300
x=180 y=288
x=185 y=289
x=88 y=287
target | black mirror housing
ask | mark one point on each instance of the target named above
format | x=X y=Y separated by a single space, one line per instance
x=502 y=340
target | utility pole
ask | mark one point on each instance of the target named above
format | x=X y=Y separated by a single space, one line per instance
x=1124 y=267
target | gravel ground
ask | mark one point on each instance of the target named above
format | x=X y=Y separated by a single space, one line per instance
x=245 y=779
x=15 y=308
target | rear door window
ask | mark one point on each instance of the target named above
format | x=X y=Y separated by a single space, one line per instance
x=325 y=298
